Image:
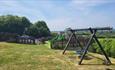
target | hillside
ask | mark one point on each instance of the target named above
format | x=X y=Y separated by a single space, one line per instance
x=41 y=57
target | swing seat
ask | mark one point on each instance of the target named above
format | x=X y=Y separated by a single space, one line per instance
x=79 y=52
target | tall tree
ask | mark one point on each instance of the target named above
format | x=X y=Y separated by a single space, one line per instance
x=13 y=24
x=39 y=29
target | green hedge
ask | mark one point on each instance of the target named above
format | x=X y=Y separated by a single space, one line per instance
x=108 y=44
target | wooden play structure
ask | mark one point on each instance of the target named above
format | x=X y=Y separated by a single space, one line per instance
x=92 y=37
x=59 y=42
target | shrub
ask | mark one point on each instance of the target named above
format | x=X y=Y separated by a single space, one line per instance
x=107 y=44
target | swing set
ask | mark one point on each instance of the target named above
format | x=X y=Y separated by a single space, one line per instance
x=88 y=44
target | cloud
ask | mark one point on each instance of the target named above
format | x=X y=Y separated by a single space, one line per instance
x=61 y=15
x=58 y=23
x=86 y=4
x=18 y=8
x=93 y=20
x=34 y=10
x=8 y=3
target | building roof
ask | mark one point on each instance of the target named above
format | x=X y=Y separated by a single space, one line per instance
x=26 y=37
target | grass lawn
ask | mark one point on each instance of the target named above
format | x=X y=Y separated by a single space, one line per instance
x=40 y=57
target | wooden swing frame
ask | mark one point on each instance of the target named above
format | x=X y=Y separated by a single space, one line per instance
x=92 y=36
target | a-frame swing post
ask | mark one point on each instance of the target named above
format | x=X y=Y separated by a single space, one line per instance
x=70 y=38
x=67 y=43
x=100 y=46
x=88 y=45
x=77 y=40
x=86 y=48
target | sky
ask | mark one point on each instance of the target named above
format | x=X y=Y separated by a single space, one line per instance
x=62 y=14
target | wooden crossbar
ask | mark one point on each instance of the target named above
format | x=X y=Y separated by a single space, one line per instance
x=87 y=29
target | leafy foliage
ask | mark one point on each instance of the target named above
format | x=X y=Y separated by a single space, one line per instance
x=15 y=25
x=38 y=29
x=107 y=44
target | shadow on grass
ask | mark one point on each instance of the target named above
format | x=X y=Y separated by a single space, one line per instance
x=107 y=67
x=103 y=63
x=97 y=64
x=96 y=57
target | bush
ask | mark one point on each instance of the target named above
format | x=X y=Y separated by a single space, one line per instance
x=107 y=44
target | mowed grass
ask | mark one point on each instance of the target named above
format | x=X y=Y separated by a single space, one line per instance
x=31 y=57
x=40 y=57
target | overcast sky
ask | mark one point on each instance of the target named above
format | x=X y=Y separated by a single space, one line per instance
x=61 y=14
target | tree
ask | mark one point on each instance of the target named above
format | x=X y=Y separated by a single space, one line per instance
x=38 y=29
x=32 y=31
x=13 y=24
